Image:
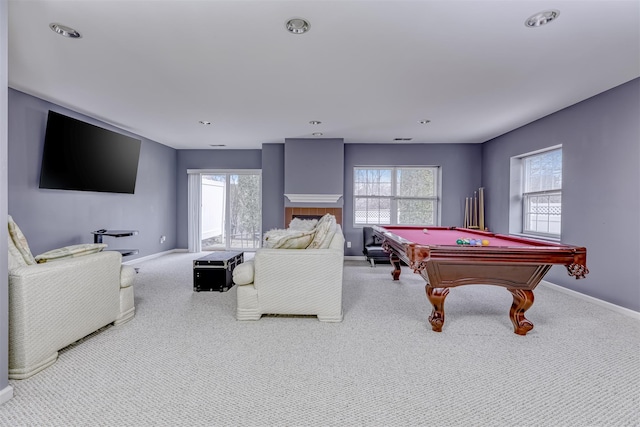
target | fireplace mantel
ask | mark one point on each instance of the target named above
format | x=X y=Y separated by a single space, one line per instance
x=313 y=198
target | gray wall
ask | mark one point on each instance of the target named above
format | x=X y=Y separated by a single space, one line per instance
x=54 y=218
x=600 y=137
x=600 y=140
x=272 y=186
x=4 y=290
x=313 y=166
x=207 y=159
x=461 y=166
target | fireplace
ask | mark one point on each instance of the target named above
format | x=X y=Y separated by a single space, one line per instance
x=310 y=213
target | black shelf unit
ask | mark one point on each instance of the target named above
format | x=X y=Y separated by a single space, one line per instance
x=99 y=234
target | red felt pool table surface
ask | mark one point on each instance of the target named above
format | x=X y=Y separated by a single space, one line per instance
x=516 y=263
x=442 y=236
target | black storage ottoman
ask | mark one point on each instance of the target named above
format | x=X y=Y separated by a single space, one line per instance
x=214 y=272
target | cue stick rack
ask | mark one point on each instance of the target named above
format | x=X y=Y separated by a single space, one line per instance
x=474 y=210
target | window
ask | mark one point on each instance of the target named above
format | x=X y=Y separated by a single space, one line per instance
x=231 y=211
x=396 y=195
x=225 y=209
x=542 y=193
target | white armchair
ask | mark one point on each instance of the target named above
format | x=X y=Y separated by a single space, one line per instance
x=292 y=281
x=58 y=302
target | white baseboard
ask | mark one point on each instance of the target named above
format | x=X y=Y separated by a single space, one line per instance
x=6 y=394
x=152 y=256
x=618 y=309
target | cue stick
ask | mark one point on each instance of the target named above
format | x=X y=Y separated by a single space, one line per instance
x=475 y=209
x=481 y=195
x=466 y=212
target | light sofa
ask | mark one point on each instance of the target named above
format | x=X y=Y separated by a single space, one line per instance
x=68 y=296
x=293 y=281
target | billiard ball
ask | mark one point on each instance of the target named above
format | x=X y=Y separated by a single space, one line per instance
x=485 y=242
x=425 y=231
x=460 y=242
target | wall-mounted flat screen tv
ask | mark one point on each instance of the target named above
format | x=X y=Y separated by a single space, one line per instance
x=81 y=156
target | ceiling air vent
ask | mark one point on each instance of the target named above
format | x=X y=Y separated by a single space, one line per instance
x=402 y=139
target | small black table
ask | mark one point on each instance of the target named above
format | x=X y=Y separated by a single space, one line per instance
x=98 y=234
x=214 y=272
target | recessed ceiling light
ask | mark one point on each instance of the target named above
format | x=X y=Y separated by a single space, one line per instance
x=204 y=122
x=314 y=122
x=424 y=122
x=542 y=18
x=297 y=25
x=317 y=134
x=65 y=31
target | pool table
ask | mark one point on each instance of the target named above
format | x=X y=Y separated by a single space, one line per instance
x=516 y=263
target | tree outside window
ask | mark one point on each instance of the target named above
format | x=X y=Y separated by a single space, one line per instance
x=396 y=195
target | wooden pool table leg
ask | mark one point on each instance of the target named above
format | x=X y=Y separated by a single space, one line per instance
x=395 y=261
x=522 y=300
x=436 y=298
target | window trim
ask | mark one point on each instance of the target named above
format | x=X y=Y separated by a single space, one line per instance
x=518 y=197
x=393 y=220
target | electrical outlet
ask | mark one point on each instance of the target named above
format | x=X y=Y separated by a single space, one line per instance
x=162 y=239
x=348 y=244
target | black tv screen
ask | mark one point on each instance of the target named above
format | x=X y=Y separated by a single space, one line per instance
x=80 y=156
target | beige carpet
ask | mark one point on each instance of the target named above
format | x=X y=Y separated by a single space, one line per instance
x=185 y=361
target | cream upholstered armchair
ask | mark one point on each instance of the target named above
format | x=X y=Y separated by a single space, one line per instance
x=301 y=274
x=60 y=297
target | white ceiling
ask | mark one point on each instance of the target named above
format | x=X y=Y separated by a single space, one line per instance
x=368 y=70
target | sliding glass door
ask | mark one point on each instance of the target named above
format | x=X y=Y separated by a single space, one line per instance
x=231 y=210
